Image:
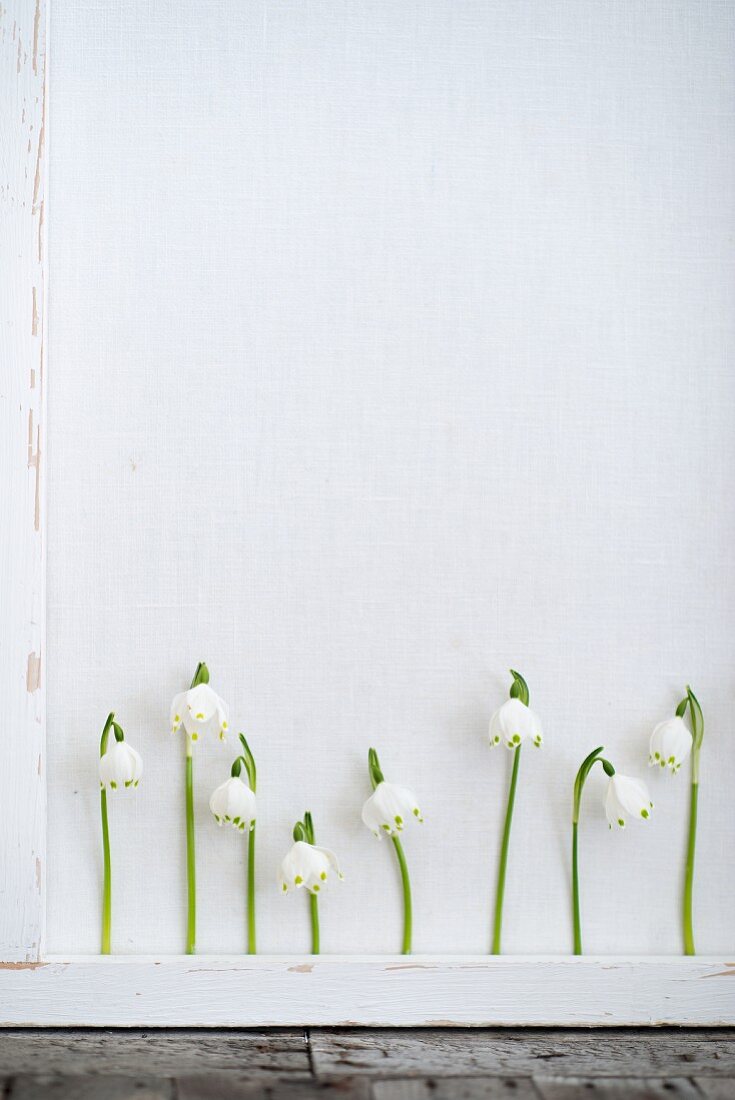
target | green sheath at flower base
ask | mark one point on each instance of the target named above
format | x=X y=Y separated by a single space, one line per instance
x=385 y=813
x=511 y=725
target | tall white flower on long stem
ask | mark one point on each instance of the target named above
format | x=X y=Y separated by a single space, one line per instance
x=671 y=744
x=386 y=812
x=309 y=866
x=512 y=724
x=120 y=767
x=201 y=711
x=625 y=798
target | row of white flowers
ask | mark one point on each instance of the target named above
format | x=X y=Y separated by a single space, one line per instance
x=203 y=714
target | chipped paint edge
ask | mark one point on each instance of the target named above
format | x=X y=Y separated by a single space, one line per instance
x=23 y=316
x=431 y=991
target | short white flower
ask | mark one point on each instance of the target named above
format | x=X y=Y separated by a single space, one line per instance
x=308 y=866
x=233 y=803
x=200 y=710
x=671 y=743
x=626 y=797
x=388 y=809
x=513 y=723
x=120 y=767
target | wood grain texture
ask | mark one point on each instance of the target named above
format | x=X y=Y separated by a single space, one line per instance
x=623 y=1088
x=455 y=1088
x=243 y=1087
x=238 y=991
x=163 y=1054
x=584 y=1053
x=716 y=1088
x=40 y=1087
x=22 y=534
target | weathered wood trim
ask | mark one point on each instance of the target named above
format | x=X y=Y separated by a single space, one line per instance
x=423 y=991
x=23 y=114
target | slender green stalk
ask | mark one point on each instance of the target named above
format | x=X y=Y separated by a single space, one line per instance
x=580 y=779
x=251 y=891
x=697 y=720
x=107 y=886
x=191 y=922
x=689 y=872
x=107 y=880
x=407 y=906
x=500 y=892
x=575 y=889
x=314 y=906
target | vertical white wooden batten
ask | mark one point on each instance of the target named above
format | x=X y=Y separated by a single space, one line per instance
x=23 y=217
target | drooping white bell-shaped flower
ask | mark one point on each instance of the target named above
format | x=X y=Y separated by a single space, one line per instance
x=626 y=798
x=200 y=710
x=309 y=866
x=388 y=809
x=514 y=723
x=120 y=766
x=671 y=743
x=233 y=803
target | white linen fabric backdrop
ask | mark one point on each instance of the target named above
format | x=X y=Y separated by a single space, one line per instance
x=391 y=346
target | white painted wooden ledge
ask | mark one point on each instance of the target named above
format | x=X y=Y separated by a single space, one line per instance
x=421 y=991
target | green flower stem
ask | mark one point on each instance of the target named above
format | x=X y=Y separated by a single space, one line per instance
x=191 y=923
x=580 y=779
x=500 y=892
x=689 y=872
x=251 y=891
x=575 y=889
x=314 y=906
x=107 y=887
x=407 y=906
x=107 y=880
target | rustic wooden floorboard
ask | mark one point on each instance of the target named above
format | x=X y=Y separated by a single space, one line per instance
x=523 y=1053
x=353 y=1064
x=455 y=1088
x=155 y=1053
x=617 y=1088
x=72 y=1087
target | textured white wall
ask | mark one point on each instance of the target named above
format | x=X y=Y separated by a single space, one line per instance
x=391 y=345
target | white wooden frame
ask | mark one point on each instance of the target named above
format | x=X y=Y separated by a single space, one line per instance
x=208 y=991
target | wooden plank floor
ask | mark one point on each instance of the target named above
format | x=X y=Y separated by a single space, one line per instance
x=358 y=1064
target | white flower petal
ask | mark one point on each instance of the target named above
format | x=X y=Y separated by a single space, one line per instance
x=389 y=808
x=233 y=803
x=121 y=766
x=671 y=744
x=201 y=711
x=626 y=799
x=514 y=723
x=308 y=866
